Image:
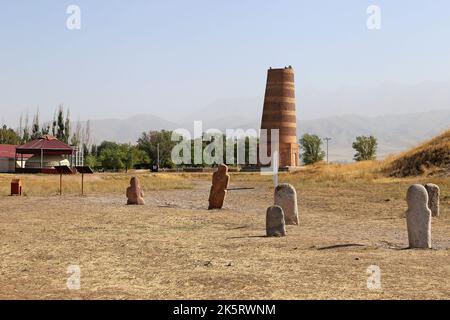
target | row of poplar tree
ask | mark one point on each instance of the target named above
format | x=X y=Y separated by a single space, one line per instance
x=60 y=127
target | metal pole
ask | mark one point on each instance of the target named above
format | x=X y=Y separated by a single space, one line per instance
x=275 y=159
x=60 y=184
x=327 y=140
x=157 y=148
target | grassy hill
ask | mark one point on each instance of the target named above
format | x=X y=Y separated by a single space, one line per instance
x=431 y=157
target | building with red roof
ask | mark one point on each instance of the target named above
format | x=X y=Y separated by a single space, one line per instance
x=7 y=156
x=8 y=160
x=44 y=153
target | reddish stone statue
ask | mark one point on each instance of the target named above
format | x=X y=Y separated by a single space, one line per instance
x=219 y=187
x=135 y=194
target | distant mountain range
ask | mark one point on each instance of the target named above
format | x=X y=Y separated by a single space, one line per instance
x=395 y=132
x=127 y=130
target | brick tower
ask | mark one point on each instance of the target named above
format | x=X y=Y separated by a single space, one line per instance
x=279 y=113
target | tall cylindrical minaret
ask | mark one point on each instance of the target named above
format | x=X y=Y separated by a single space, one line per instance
x=279 y=113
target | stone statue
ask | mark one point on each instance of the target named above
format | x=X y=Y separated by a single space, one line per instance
x=433 y=198
x=220 y=181
x=135 y=194
x=286 y=197
x=275 y=225
x=418 y=217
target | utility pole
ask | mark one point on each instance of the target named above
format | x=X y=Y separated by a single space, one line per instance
x=327 y=139
x=157 y=151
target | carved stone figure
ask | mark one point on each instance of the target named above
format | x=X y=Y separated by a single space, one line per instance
x=135 y=194
x=418 y=217
x=220 y=182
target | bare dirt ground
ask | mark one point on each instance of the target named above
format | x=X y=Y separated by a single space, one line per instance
x=173 y=248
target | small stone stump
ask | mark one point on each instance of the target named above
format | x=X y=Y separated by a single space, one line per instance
x=275 y=224
x=286 y=197
x=135 y=195
x=433 y=198
x=418 y=217
x=220 y=181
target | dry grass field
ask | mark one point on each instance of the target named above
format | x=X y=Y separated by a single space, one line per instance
x=351 y=217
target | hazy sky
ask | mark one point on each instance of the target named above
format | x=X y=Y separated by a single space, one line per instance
x=170 y=58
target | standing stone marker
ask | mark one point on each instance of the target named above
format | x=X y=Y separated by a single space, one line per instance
x=286 y=198
x=135 y=195
x=275 y=224
x=418 y=217
x=433 y=198
x=220 y=182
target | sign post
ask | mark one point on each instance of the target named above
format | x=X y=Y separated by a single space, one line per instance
x=83 y=170
x=62 y=170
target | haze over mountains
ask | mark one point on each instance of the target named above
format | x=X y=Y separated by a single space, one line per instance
x=313 y=102
x=399 y=115
x=395 y=132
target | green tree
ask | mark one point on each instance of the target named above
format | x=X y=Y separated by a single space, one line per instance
x=90 y=161
x=60 y=129
x=104 y=145
x=94 y=150
x=312 y=151
x=250 y=152
x=193 y=143
x=25 y=130
x=133 y=155
x=86 y=138
x=9 y=136
x=149 y=141
x=54 y=125
x=67 y=127
x=45 y=128
x=112 y=157
x=365 y=147
x=76 y=139
x=35 y=128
